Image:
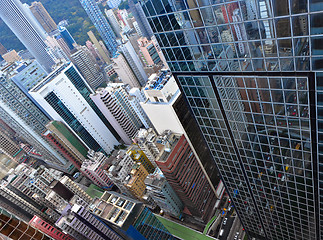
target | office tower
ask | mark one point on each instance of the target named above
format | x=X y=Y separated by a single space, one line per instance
x=66 y=142
x=48 y=229
x=11 y=56
x=79 y=223
x=139 y=156
x=185 y=174
x=164 y=195
x=101 y=24
x=150 y=54
x=66 y=97
x=114 y=104
x=88 y=68
x=43 y=17
x=258 y=104
x=14 y=15
x=21 y=113
x=130 y=216
x=3 y=50
x=98 y=47
x=139 y=14
x=15 y=228
x=65 y=34
x=113 y=21
x=93 y=166
x=134 y=62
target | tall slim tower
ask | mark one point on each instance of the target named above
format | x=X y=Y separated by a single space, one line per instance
x=14 y=14
x=43 y=17
x=88 y=68
x=251 y=72
x=101 y=24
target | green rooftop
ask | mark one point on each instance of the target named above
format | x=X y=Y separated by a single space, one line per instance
x=181 y=231
x=94 y=191
x=70 y=137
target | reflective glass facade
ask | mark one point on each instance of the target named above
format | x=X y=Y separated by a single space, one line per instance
x=70 y=119
x=251 y=71
x=80 y=85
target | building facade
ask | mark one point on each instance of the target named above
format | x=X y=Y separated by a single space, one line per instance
x=15 y=16
x=66 y=142
x=114 y=103
x=43 y=17
x=182 y=170
x=251 y=72
x=76 y=110
x=164 y=195
x=48 y=229
x=78 y=222
x=130 y=216
x=101 y=24
x=92 y=167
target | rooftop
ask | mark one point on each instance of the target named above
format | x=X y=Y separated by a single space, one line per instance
x=157 y=82
x=51 y=77
x=181 y=231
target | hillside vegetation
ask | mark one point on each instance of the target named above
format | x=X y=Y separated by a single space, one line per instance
x=70 y=10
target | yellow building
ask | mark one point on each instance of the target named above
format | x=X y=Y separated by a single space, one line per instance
x=139 y=156
x=136 y=183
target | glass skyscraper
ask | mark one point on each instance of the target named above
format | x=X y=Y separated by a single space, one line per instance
x=251 y=71
x=101 y=24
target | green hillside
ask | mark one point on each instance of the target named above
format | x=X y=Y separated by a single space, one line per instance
x=70 y=10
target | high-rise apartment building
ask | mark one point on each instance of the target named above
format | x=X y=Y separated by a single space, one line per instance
x=139 y=156
x=114 y=104
x=164 y=195
x=14 y=14
x=128 y=51
x=101 y=24
x=113 y=21
x=139 y=14
x=251 y=72
x=66 y=97
x=184 y=173
x=11 y=57
x=88 y=68
x=43 y=17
